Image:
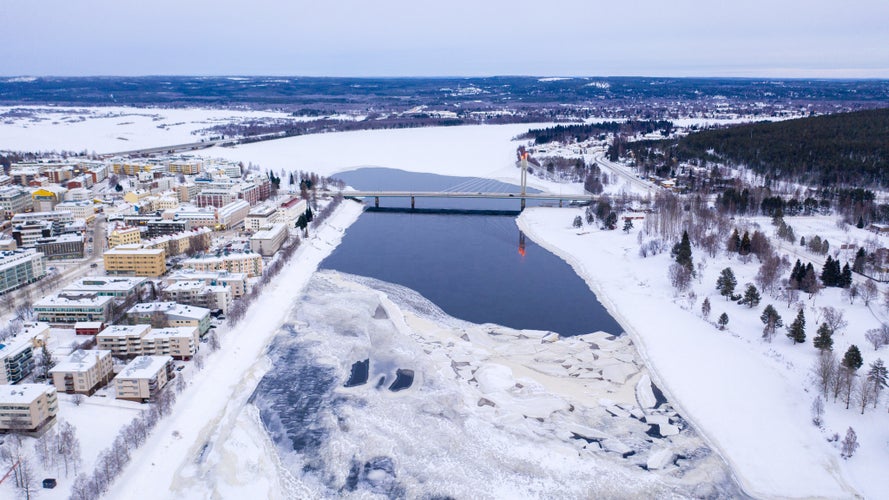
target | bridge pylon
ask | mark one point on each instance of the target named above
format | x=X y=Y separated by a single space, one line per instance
x=524 y=164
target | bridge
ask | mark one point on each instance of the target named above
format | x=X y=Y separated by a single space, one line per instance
x=463 y=191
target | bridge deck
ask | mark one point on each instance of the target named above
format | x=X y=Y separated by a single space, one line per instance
x=461 y=194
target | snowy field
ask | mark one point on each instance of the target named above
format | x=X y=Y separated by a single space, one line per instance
x=750 y=398
x=110 y=129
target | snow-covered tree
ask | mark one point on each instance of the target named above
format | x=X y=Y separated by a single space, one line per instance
x=849 y=444
x=797 y=330
x=705 y=308
x=771 y=321
x=877 y=377
x=825 y=370
x=722 y=321
x=726 y=283
x=751 y=296
x=823 y=340
x=852 y=359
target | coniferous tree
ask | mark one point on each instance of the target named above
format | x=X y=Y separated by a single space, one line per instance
x=796 y=275
x=845 y=279
x=802 y=241
x=823 y=340
x=829 y=276
x=705 y=308
x=751 y=296
x=771 y=321
x=860 y=260
x=726 y=283
x=734 y=242
x=745 y=247
x=860 y=224
x=682 y=252
x=628 y=224
x=723 y=320
x=852 y=359
x=797 y=330
x=878 y=377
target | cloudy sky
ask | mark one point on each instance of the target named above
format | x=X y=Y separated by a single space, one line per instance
x=780 y=38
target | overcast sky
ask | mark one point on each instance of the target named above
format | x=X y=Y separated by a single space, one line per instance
x=776 y=38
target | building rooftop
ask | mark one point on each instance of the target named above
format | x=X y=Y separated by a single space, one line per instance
x=88 y=325
x=124 y=331
x=14 y=345
x=188 y=332
x=23 y=393
x=144 y=367
x=105 y=284
x=133 y=248
x=270 y=233
x=170 y=309
x=73 y=299
x=80 y=361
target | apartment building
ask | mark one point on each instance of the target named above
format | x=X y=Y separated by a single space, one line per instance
x=122 y=340
x=232 y=214
x=119 y=287
x=170 y=314
x=267 y=241
x=71 y=307
x=83 y=210
x=246 y=263
x=236 y=282
x=143 y=378
x=20 y=267
x=198 y=293
x=83 y=372
x=27 y=407
x=134 y=260
x=13 y=200
x=124 y=236
x=65 y=246
x=142 y=340
x=260 y=217
x=17 y=356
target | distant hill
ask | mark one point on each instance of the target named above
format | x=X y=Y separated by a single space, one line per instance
x=844 y=149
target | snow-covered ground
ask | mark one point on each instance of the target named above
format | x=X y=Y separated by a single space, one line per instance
x=110 y=129
x=750 y=398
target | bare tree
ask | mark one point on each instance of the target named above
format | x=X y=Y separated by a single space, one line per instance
x=868 y=292
x=817 y=411
x=825 y=370
x=877 y=336
x=864 y=393
x=680 y=277
x=834 y=318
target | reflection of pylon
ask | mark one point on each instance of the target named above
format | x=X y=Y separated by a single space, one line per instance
x=521 y=243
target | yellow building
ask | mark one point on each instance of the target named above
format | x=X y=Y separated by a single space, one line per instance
x=187 y=167
x=124 y=236
x=133 y=260
x=134 y=197
x=131 y=168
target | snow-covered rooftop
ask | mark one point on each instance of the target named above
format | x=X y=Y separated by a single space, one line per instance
x=144 y=367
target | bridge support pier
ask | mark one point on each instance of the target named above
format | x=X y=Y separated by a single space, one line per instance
x=412 y=202
x=376 y=202
x=523 y=203
x=560 y=203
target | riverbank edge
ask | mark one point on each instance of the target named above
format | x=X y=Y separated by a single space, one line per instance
x=629 y=329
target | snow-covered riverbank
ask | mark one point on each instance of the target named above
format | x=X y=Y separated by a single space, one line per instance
x=743 y=402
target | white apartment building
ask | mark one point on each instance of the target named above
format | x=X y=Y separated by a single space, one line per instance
x=267 y=241
x=83 y=372
x=27 y=407
x=20 y=267
x=143 y=377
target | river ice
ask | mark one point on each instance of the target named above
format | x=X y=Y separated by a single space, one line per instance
x=491 y=412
